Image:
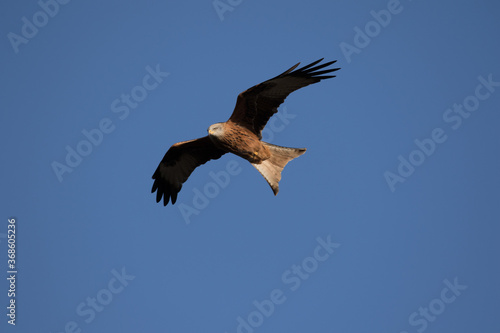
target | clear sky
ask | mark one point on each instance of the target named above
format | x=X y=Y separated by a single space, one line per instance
x=388 y=223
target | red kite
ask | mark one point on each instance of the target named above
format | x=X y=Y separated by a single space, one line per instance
x=240 y=135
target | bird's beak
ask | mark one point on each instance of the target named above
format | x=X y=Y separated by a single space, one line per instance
x=210 y=131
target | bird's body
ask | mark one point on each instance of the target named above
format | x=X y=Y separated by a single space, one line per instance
x=240 y=141
x=240 y=135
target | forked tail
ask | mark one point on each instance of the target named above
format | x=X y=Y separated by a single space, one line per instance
x=272 y=167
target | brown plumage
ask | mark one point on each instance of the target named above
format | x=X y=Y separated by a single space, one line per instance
x=240 y=135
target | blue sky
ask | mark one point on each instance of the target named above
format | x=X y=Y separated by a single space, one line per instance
x=388 y=223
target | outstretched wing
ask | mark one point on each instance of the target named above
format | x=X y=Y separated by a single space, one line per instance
x=256 y=105
x=178 y=163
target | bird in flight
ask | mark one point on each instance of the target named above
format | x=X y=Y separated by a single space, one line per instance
x=240 y=135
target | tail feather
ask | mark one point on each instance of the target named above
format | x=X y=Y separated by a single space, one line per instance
x=272 y=167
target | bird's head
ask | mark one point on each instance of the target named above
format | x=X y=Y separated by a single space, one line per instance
x=216 y=130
